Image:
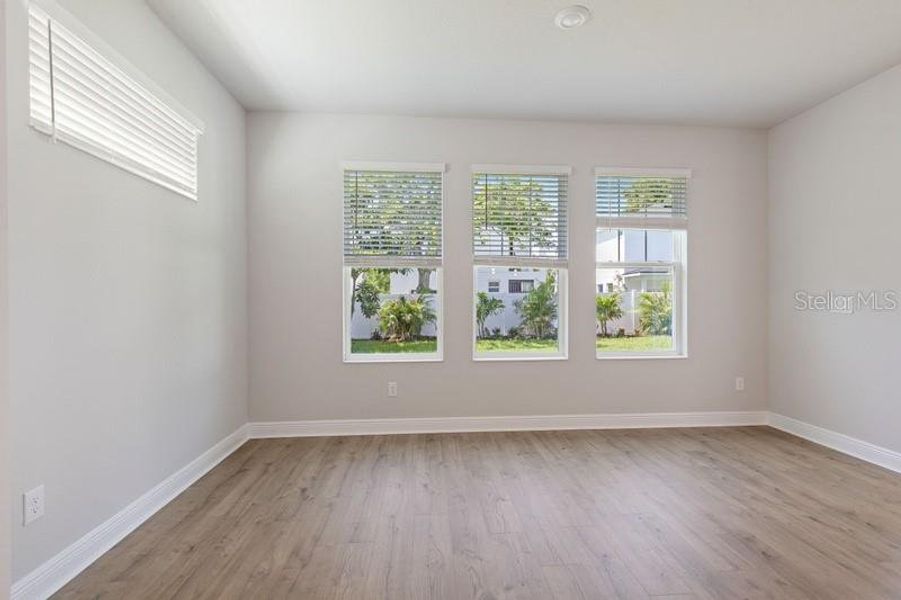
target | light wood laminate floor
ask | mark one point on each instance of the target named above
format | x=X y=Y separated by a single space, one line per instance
x=745 y=512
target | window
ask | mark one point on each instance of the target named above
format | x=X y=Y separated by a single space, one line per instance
x=642 y=217
x=521 y=286
x=519 y=218
x=392 y=261
x=494 y=286
x=79 y=96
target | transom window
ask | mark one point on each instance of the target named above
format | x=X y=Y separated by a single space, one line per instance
x=640 y=241
x=520 y=241
x=393 y=221
x=79 y=95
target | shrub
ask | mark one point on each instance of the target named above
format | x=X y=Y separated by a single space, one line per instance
x=485 y=307
x=655 y=312
x=402 y=320
x=539 y=308
x=609 y=308
x=370 y=285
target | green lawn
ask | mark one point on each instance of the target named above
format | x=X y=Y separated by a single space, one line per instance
x=516 y=345
x=384 y=347
x=622 y=344
x=613 y=344
x=635 y=344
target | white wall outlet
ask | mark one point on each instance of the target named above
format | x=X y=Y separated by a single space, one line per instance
x=392 y=389
x=33 y=504
x=739 y=384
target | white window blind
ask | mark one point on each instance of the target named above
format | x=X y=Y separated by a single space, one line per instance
x=82 y=98
x=393 y=217
x=519 y=218
x=646 y=199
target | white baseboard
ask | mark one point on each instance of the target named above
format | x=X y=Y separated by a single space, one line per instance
x=518 y=423
x=838 y=441
x=59 y=570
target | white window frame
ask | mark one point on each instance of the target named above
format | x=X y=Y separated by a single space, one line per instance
x=506 y=262
x=679 y=264
x=394 y=262
x=59 y=15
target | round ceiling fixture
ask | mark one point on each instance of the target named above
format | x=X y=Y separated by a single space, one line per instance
x=572 y=17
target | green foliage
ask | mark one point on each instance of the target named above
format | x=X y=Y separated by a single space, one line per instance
x=366 y=286
x=485 y=307
x=374 y=283
x=533 y=224
x=655 y=311
x=538 y=309
x=609 y=307
x=648 y=193
x=402 y=320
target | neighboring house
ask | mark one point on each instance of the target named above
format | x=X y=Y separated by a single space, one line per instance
x=624 y=246
x=510 y=285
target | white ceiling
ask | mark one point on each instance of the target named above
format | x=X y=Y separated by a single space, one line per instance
x=731 y=62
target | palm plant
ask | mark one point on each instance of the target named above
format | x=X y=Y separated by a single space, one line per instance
x=609 y=307
x=402 y=320
x=485 y=307
x=539 y=308
x=655 y=311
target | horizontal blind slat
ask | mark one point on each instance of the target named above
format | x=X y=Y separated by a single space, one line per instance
x=103 y=89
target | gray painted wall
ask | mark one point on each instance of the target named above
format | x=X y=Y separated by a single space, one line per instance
x=834 y=225
x=127 y=302
x=294 y=211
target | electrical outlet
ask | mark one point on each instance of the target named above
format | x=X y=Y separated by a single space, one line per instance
x=739 y=384
x=33 y=504
x=392 y=389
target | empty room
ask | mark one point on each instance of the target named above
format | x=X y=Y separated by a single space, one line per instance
x=450 y=299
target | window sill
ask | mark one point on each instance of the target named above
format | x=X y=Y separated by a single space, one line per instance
x=388 y=358
x=640 y=356
x=515 y=358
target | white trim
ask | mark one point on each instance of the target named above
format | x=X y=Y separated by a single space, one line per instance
x=401 y=167
x=641 y=172
x=59 y=570
x=530 y=262
x=341 y=427
x=889 y=459
x=376 y=261
x=492 y=169
x=637 y=222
